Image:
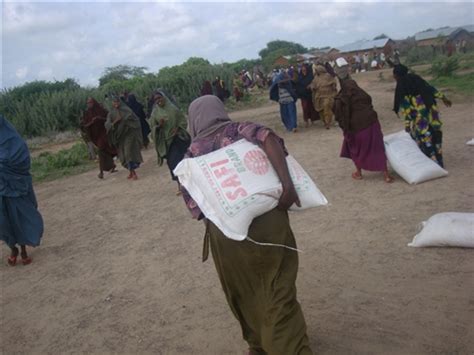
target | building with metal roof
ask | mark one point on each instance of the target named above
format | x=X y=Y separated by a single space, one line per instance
x=442 y=32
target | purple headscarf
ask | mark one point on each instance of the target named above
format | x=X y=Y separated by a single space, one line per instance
x=206 y=115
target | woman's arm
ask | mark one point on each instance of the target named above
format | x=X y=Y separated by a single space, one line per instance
x=272 y=147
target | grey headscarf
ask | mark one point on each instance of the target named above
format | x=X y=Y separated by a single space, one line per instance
x=206 y=115
x=342 y=69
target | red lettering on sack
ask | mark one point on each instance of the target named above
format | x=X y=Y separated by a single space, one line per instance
x=233 y=181
x=219 y=173
x=220 y=162
x=233 y=195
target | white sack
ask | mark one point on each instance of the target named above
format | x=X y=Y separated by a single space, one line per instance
x=470 y=142
x=237 y=183
x=408 y=160
x=449 y=229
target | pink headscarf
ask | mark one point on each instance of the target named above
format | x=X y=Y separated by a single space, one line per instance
x=206 y=115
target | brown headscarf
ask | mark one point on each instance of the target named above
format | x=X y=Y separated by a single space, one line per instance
x=206 y=115
x=95 y=111
x=96 y=131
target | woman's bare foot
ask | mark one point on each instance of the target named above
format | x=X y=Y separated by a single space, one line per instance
x=101 y=175
x=388 y=178
x=12 y=258
x=25 y=259
x=356 y=175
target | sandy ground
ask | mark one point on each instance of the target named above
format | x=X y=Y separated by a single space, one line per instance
x=120 y=271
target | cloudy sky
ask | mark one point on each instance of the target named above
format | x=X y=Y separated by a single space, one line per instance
x=57 y=40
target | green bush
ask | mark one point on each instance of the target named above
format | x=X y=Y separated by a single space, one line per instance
x=419 y=55
x=48 y=165
x=444 y=66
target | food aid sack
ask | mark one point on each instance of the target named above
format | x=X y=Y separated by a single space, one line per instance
x=470 y=142
x=448 y=229
x=237 y=183
x=408 y=161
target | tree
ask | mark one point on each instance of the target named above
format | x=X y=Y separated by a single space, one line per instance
x=121 y=73
x=278 y=48
x=247 y=64
x=196 y=61
x=283 y=46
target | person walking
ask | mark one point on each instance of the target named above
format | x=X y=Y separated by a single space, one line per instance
x=21 y=223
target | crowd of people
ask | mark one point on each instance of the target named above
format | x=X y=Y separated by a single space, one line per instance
x=258 y=282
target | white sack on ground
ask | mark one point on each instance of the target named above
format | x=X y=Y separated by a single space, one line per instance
x=471 y=142
x=449 y=229
x=237 y=183
x=408 y=161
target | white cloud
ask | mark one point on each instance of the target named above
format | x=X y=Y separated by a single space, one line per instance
x=29 y=19
x=45 y=73
x=21 y=72
x=78 y=39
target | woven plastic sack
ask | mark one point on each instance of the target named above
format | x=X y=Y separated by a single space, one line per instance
x=448 y=229
x=237 y=183
x=406 y=158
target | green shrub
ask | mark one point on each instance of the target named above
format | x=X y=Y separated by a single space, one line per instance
x=48 y=165
x=444 y=66
x=419 y=55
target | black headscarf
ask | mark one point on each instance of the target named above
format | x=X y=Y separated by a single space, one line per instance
x=137 y=109
x=303 y=82
x=409 y=84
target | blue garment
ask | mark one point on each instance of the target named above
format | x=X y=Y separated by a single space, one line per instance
x=133 y=165
x=20 y=221
x=288 y=115
x=274 y=92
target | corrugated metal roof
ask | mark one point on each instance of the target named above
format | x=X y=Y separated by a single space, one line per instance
x=468 y=28
x=306 y=55
x=441 y=32
x=363 y=45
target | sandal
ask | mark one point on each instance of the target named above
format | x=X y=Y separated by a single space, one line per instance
x=388 y=179
x=26 y=260
x=11 y=260
x=100 y=176
x=356 y=176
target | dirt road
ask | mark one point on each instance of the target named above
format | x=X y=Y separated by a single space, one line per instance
x=119 y=269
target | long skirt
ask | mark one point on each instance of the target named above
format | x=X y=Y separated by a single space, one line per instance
x=145 y=131
x=366 y=148
x=259 y=284
x=20 y=221
x=430 y=144
x=129 y=151
x=324 y=107
x=106 y=160
x=288 y=115
x=309 y=113
x=176 y=153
